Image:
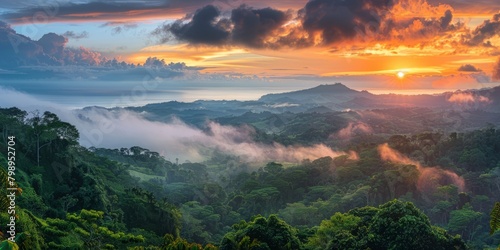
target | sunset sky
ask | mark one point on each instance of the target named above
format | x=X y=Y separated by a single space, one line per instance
x=365 y=44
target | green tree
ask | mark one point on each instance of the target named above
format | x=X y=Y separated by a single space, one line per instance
x=464 y=221
x=261 y=233
x=298 y=214
x=393 y=225
x=400 y=225
x=169 y=243
x=337 y=233
x=11 y=121
x=199 y=222
x=48 y=128
x=262 y=200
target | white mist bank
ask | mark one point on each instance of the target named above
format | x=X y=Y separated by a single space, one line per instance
x=176 y=139
x=119 y=128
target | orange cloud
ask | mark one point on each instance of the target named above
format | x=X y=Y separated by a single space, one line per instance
x=471 y=8
x=464 y=97
x=353 y=129
x=461 y=81
x=422 y=8
x=389 y=154
x=412 y=23
x=430 y=177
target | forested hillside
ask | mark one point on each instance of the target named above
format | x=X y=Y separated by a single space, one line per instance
x=430 y=190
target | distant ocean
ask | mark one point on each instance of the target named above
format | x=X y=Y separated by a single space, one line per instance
x=79 y=94
x=124 y=100
x=121 y=94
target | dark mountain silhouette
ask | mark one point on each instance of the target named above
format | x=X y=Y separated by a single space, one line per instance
x=339 y=97
x=327 y=93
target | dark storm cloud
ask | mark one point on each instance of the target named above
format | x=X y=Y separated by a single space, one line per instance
x=373 y=21
x=446 y=19
x=319 y=22
x=469 y=68
x=339 y=20
x=483 y=32
x=253 y=26
x=204 y=28
x=73 y=35
x=245 y=26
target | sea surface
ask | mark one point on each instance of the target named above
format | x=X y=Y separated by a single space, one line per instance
x=79 y=94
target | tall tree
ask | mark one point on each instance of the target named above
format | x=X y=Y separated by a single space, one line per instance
x=48 y=128
x=10 y=119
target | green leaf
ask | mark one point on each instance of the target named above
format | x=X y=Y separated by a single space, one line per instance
x=8 y=245
x=495 y=218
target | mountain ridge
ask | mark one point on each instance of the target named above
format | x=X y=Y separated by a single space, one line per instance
x=338 y=96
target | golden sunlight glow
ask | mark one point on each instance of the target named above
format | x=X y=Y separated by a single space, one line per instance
x=374 y=61
x=213 y=59
x=420 y=70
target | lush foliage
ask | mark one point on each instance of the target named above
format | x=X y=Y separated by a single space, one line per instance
x=261 y=233
x=71 y=197
x=495 y=218
x=394 y=225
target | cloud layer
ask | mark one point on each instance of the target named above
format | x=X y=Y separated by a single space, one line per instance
x=91 y=10
x=315 y=22
x=468 y=98
x=49 y=50
x=319 y=22
x=50 y=58
x=175 y=139
x=336 y=29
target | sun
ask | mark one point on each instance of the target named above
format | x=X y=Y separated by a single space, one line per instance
x=401 y=74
